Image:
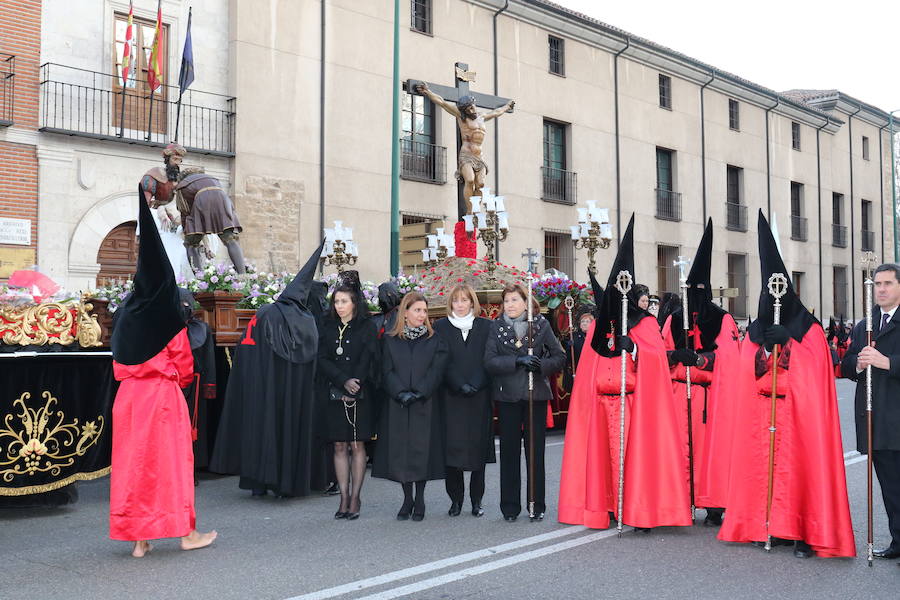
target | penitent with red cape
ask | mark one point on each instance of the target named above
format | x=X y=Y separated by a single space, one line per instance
x=809 y=498
x=656 y=493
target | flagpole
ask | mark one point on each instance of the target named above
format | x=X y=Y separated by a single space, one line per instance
x=181 y=75
x=122 y=113
x=149 y=117
x=153 y=67
x=126 y=53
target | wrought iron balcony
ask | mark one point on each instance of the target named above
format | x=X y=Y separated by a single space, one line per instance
x=7 y=88
x=420 y=161
x=668 y=205
x=867 y=240
x=558 y=185
x=736 y=216
x=838 y=235
x=91 y=104
x=798 y=228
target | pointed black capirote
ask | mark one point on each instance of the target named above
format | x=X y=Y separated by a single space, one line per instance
x=152 y=314
x=704 y=312
x=609 y=308
x=598 y=292
x=793 y=315
x=298 y=289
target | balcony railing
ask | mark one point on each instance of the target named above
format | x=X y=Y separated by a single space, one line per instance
x=423 y=162
x=558 y=185
x=736 y=216
x=868 y=240
x=798 y=228
x=91 y=104
x=7 y=88
x=838 y=235
x=668 y=205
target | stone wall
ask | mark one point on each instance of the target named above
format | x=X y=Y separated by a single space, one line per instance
x=269 y=210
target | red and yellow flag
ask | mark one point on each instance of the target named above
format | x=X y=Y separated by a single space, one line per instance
x=154 y=72
x=126 y=52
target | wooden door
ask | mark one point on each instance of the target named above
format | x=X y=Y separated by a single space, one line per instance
x=118 y=254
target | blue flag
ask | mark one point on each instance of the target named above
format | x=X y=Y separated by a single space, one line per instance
x=186 y=75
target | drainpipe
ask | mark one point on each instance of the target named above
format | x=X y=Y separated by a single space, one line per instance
x=322 y=130
x=769 y=164
x=618 y=154
x=497 y=121
x=395 y=148
x=819 y=213
x=852 y=230
x=894 y=188
x=712 y=76
x=881 y=184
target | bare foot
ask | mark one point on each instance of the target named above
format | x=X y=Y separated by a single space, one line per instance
x=195 y=540
x=141 y=548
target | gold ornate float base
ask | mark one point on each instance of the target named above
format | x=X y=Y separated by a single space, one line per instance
x=60 y=323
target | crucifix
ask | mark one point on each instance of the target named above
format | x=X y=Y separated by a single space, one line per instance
x=462 y=103
x=532 y=256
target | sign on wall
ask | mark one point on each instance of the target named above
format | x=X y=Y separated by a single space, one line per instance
x=15 y=231
x=13 y=259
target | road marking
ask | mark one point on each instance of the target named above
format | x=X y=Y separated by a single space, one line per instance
x=440 y=580
x=362 y=584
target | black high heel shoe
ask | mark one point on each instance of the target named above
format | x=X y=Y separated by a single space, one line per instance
x=340 y=515
x=405 y=509
x=419 y=511
x=353 y=515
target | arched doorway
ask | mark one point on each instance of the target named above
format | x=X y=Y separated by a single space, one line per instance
x=117 y=256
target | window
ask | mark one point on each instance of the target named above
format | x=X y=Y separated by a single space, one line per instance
x=559 y=252
x=668 y=201
x=666 y=273
x=665 y=91
x=137 y=103
x=737 y=278
x=798 y=221
x=795 y=136
x=838 y=229
x=557 y=55
x=420 y=13
x=421 y=159
x=839 y=290
x=734 y=115
x=868 y=236
x=736 y=213
x=865 y=148
x=797 y=279
x=557 y=184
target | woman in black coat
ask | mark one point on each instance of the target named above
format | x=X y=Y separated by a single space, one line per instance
x=347 y=349
x=506 y=359
x=410 y=433
x=466 y=395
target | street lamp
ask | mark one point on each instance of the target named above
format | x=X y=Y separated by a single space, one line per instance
x=592 y=232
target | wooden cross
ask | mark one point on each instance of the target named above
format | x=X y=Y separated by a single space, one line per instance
x=462 y=77
x=532 y=257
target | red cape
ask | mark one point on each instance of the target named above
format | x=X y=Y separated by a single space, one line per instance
x=656 y=494
x=712 y=440
x=809 y=500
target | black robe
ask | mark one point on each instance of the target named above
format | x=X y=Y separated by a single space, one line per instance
x=266 y=430
x=468 y=420
x=202 y=388
x=411 y=439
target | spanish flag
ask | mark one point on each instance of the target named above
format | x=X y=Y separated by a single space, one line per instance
x=154 y=71
x=126 y=52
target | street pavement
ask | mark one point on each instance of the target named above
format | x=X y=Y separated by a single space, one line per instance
x=293 y=549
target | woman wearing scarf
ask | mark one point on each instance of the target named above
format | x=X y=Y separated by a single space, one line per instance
x=411 y=434
x=506 y=359
x=466 y=396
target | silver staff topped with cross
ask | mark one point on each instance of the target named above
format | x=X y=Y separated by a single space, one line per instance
x=463 y=104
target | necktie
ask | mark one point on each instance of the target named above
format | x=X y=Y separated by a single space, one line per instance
x=885 y=317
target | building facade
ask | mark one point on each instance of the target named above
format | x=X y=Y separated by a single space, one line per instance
x=600 y=115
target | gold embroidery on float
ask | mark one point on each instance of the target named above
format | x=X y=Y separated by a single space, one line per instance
x=37 y=444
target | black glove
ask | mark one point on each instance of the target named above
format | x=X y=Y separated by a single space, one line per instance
x=417 y=397
x=531 y=363
x=776 y=334
x=688 y=358
x=405 y=398
x=623 y=342
x=535 y=365
x=468 y=390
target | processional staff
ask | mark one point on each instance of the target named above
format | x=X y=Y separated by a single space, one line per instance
x=778 y=286
x=531 y=514
x=869 y=261
x=570 y=303
x=623 y=284
x=682 y=264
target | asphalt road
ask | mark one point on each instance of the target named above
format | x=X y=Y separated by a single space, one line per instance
x=293 y=549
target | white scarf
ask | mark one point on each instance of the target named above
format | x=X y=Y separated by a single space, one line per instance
x=464 y=324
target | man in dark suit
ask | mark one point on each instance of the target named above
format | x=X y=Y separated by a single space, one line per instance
x=884 y=357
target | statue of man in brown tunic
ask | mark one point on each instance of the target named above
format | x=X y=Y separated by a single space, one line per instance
x=471 y=168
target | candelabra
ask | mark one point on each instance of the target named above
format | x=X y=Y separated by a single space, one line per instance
x=440 y=247
x=340 y=250
x=489 y=216
x=592 y=232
